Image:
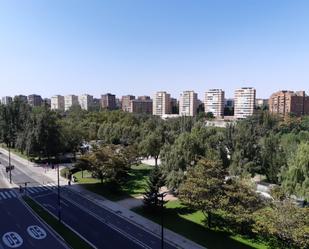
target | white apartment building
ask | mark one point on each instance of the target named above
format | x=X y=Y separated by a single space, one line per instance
x=57 y=103
x=214 y=102
x=244 y=102
x=69 y=101
x=188 y=103
x=85 y=101
x=6 y=100
x=161 y=103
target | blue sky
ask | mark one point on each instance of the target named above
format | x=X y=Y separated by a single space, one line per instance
x=141 y=46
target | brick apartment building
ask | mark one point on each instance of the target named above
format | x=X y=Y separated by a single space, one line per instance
x=289 y=102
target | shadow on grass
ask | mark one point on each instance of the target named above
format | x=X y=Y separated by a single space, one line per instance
x=135 y=184
x=211 y=239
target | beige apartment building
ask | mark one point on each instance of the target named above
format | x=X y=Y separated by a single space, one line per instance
x=289 y=102
x=85 y=101
x=244 y=102
x=57 y=103
x=214 y=102
x=126 y=102
x=188 y=103
x=161 y=103
x=69 y=101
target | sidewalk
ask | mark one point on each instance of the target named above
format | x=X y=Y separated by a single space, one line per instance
x=170 y=236
x=174 y=238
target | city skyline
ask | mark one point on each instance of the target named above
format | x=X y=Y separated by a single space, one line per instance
x=56 y=47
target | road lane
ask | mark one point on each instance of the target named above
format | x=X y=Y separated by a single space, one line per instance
x=19 y=228
x=100 y=226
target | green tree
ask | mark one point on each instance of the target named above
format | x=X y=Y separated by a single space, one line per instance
x=107 y=163
x=272 y=157
x=295 y=178
x=151 y=145
x=239 y=201
x=284 y=225
x=152 y=200
x=203 y=187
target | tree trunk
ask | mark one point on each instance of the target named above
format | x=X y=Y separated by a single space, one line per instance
x=209 y=219
x=156 y=160
x=82 y=174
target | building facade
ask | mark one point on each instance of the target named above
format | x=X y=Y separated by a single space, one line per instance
x=85 y=101
x=142 y=104
x=261 y=103
x=57 y=103
x=108 y=101
x=161 y=103
x=126 y=102
x=188 y=103
x=244 y=102
x=69 y=101
x=6 y=100
x=289 y=102
x=214 y=102
x=35 y=100
x=21 y=98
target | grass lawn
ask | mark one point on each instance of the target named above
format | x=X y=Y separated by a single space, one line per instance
x=135 y=185
x=189 y=223
x=15 y=151
x=70 y=237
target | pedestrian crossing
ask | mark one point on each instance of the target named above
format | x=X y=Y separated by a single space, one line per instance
x=10 y=194
x=41 y=188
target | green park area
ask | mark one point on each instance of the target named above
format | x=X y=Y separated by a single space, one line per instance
x=191 y=224
x=135 y=185
x=178 y=218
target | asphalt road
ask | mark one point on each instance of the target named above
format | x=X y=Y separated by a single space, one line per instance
x=101 y=227
x=19 y=228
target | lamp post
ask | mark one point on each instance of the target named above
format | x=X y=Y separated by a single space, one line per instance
x=59 y=200
x=10 y=168
x=162 y=218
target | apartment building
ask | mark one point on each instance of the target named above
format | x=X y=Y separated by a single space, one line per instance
x=57 y=103
x=261 y=103
x=161 y=103
x=108 y=101
x=142 y=104
x=244 y=102
x=214 y=102
x=35 y=100
x=188 y=103
x=21 y=98
x=85 y=101
x=6 y=100
x=69 y=101
x=289 y=102
x=126 y=102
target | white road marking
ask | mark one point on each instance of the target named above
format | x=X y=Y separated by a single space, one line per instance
x=12 y=193
x=36 y=232
x=3 y=196
x=12 y=239
x=8 y=195
x=31 y=190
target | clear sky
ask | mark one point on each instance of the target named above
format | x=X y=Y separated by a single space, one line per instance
x=141 y=46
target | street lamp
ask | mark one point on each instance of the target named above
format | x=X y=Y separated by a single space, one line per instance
x=59 y=200
x=10 y=168
x=162 y=195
